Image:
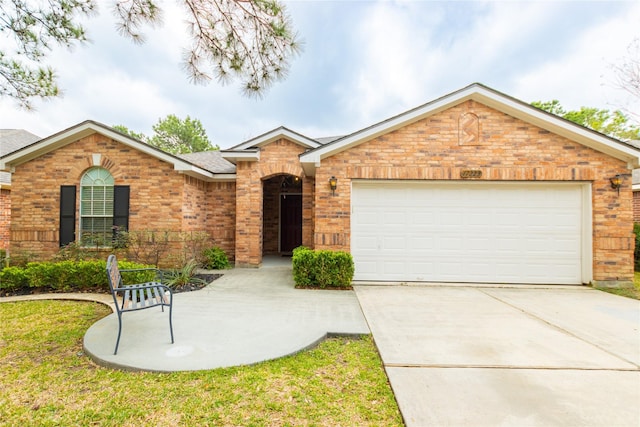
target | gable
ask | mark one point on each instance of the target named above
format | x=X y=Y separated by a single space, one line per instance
x=468 y=136
x=61 y=139
x=249 y=151
x=482 y=95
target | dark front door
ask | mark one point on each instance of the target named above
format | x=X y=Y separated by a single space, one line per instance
x=290 y=222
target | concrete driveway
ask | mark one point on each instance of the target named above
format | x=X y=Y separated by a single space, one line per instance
x=521 y=356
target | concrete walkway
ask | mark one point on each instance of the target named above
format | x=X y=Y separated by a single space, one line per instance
x=245 y=317
x=560 y=356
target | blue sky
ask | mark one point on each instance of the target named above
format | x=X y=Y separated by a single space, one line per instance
x=363 y=61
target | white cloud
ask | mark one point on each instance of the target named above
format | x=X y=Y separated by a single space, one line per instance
x=364 y=62
x=584 y=77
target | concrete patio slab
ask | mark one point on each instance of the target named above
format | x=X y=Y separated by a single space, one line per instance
x=245 y=317
x=487 y=356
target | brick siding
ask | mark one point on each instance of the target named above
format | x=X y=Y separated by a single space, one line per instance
x=277 y=158
x=5 y=217
x=156 y=198
x=506 y=149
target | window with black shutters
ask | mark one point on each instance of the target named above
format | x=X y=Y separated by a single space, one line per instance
x=104 y=210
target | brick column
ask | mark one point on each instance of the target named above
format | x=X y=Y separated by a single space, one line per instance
x=248 y=216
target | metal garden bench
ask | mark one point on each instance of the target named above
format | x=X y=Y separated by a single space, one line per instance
x=138 y=296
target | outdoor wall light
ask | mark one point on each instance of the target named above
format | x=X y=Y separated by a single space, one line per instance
x=333 y=184
x=616 y=182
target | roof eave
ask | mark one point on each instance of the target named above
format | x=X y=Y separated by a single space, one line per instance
x=235 y=156
x=84 y=129
x=493 y=99
x=274 y=135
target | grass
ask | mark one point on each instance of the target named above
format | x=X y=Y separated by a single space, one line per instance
x=46 y=380
x=633 y=292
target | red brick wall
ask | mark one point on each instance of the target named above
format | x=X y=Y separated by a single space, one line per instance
x=279 y=157
x=505 y=149
x=156 y=199
x=221 y=216
x=5 y=217
x=194 y=204
x=636 y=206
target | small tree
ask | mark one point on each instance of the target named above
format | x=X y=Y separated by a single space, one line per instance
x=175 y=135
x=180 y=136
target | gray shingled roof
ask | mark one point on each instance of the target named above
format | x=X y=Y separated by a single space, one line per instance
x=210 y=160
x=12 y=140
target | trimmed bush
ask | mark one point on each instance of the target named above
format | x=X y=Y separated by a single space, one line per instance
x=13 y=278
x=69 y=276
x=215 y=259
x=323 y=269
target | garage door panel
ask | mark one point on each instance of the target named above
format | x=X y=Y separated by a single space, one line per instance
x=521 y=233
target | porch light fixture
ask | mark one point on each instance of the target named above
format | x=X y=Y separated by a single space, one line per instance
x=616 y=182
x=333 y=184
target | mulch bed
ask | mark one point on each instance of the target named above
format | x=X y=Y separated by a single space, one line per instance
x=189 y=287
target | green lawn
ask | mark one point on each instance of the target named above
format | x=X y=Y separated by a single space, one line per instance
x=46 y=380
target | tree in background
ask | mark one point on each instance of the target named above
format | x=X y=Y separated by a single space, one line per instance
x=175 y=135
x=123 y=129
x=251 y=41
x=180 y=136
x=628 y=73
x=615 y=124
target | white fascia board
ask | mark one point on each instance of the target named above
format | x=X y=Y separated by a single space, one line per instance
x=275 y=135
x=561 y=127
x=45 y=145
x=87 y=128
x=194 y=171
x=492 y=99
x=241 y=156
x=223 y=177
x=313 y=158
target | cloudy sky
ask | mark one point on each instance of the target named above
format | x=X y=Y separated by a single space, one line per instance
x=363 y=61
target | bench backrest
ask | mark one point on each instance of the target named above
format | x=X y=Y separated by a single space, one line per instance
x=113 y=273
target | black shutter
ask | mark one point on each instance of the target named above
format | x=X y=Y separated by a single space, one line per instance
x=121 y=207
x=67 y=214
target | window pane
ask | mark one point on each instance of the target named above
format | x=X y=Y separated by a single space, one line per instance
x=96 y=207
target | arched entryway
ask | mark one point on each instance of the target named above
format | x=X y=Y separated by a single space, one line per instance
x=281 y=214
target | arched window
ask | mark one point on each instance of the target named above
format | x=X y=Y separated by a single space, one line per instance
x=96 y=207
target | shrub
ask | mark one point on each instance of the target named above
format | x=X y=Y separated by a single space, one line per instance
x=13 y=278
x=322 y=268
x=69 y=275
x=215 y=259
x=147 y=246
x=183 y=276
x=3 y=259
x=72 y=251
x=303 y=266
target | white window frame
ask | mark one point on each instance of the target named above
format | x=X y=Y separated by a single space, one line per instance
x=96 y=207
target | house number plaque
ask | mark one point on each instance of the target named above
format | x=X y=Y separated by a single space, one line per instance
x=470 y=173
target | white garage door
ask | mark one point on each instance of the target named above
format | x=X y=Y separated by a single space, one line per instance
x=470 y=232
